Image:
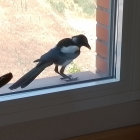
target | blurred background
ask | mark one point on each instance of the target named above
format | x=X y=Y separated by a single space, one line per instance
x=29 y=28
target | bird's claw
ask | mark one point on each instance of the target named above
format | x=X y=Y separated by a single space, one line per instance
x=68 y=77
x=71 y=79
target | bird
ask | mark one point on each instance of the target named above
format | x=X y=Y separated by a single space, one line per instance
x=64 y=52
x=5 y=79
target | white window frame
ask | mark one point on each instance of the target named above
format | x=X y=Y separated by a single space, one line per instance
x=16 y=108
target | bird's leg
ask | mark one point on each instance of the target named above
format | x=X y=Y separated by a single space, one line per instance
x=69 y=78
x=64 y=75
x=56 y=69
x=61 y=72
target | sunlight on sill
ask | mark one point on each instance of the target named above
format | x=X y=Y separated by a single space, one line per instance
x=51 y=82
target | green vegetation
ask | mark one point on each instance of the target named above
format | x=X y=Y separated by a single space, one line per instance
x=59 y=6
x=81 y=7
x=88 y=6
x=73 y=68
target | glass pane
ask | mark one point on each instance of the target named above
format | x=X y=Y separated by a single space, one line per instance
x=30 y=28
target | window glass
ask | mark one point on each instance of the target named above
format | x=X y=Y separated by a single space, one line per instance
x=28 y=29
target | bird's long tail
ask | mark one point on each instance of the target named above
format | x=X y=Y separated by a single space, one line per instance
x=26 y=79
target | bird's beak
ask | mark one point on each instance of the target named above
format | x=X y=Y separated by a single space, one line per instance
x=88 y=46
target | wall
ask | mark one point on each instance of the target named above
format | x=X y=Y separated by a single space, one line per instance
x=74 y=124
x=103 y=17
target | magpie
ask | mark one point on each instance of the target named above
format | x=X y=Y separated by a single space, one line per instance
x=65 y=51
x=5 y=79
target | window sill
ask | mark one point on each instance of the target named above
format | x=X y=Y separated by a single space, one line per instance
x=57 y=101
x=50 y=85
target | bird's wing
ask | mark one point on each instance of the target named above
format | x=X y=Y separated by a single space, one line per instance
x=48 y=57
x=65 y=42
x=68 y=47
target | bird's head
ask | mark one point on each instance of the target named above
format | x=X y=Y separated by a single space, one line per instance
x=81 y=40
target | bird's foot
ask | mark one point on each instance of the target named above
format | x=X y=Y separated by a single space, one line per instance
x=66 y=77
x=69 y=78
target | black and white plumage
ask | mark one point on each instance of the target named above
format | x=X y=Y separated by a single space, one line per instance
x=62 y=54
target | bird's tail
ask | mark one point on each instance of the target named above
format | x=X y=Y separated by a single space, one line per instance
x=26 y=79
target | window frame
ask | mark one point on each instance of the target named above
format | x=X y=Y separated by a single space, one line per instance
x=57 y=101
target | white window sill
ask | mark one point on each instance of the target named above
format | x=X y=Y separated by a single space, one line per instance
x=26 y=106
